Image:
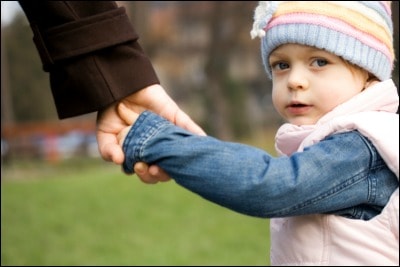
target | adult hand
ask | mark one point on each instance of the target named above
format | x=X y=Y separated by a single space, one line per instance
x=110 y=123
x=155 y=98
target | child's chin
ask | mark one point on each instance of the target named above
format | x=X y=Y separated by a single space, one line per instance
x=303 y=121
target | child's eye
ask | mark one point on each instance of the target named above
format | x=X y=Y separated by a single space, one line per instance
x=320 y=62
x=279 y=66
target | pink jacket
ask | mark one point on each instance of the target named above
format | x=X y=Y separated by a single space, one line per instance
x=334 y=240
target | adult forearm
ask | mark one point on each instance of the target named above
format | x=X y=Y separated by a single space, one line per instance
x=90 y=50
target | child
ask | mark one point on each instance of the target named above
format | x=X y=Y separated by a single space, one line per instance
x=333 y=193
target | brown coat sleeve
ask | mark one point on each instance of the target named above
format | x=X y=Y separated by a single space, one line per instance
x=91 y=51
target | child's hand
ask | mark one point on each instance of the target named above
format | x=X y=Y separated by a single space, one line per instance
x=148 y=174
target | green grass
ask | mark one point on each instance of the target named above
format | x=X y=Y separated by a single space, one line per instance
x=90 y=213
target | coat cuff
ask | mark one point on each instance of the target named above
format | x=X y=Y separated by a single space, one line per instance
x=83 y=36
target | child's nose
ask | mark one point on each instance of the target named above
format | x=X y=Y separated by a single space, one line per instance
x=297 y=79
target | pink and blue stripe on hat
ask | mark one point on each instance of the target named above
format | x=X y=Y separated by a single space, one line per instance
x=361 y=32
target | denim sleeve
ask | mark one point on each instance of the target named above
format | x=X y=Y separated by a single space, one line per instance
x=334 y=175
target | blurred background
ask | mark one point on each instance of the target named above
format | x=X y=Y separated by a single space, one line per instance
x=62 y=205
x=201 y=50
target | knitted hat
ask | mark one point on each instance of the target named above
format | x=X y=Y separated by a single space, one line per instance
x=360 y=32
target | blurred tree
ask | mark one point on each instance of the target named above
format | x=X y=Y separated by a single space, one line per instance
x=226 y=95
x=193 y=46
x=28 y=85
x=139 y=13
x=7 y=112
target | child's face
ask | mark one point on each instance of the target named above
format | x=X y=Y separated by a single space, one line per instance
x=309 y=82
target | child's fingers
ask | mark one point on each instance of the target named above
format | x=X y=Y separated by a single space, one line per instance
x=159 y=174
x=150 y=174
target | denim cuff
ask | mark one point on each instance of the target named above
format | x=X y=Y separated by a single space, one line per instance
x=146 y=126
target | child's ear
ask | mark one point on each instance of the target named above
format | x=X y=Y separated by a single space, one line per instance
x=370 y=80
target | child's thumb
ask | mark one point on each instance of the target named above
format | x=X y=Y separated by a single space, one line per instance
x=126 y=114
